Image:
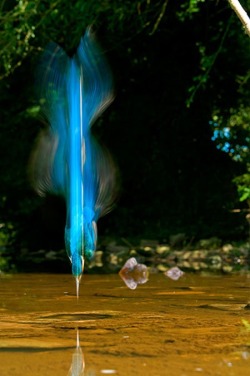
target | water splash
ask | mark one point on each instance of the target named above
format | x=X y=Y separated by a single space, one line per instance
x=133 y=273
x=174 y=273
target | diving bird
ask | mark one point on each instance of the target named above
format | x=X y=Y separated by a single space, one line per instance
x=67 y=159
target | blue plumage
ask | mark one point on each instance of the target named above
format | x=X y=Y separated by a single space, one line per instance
x=68 y=160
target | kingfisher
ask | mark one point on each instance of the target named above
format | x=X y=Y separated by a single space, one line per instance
x=67 y=159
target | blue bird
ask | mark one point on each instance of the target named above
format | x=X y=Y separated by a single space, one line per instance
x=67 y=159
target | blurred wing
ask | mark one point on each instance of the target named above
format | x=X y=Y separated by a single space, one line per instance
x=48 y=165
x=51 y=77
x=40 y=163
x=107 y=180
x=99 y=171
x=96 y=78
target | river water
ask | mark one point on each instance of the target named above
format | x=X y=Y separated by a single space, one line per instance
x=199 y=324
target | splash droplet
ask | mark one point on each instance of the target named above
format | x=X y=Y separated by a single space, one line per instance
x=174 y=273
x=133 y=273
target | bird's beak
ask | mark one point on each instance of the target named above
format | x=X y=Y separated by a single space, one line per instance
x=78 y=279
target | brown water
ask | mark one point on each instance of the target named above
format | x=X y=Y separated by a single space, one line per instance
x=187 y=327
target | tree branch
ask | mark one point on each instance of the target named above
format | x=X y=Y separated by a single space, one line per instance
x=242 y=14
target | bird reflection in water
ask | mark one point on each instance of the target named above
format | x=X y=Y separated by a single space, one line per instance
x=134 y=274
x=78 y=364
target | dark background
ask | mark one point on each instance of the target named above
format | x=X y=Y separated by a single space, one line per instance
x=173 y=179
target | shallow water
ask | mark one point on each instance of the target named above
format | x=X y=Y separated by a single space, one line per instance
x=186 y=327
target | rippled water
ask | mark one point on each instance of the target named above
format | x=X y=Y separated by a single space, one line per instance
x=186 y=327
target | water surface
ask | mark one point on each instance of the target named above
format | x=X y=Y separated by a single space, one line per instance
x=186 y=327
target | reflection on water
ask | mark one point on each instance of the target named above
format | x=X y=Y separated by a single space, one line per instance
x=77 y=365
x=197 y=324
x=133 y=273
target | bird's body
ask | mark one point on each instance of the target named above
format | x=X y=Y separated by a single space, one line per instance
x=68 y=160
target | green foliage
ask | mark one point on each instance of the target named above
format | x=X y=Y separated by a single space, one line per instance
x=164 y=55
x=27 y=25
x=243 y=185
x=233 y=137
x=207 y=61
x=212 y=243
x=17 y=29
x=234 y=129
x=231 y=125
x=189 y=9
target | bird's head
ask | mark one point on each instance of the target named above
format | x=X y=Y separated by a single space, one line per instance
x=81 y=245
x=77 y=262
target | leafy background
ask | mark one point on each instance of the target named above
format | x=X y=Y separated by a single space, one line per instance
x=178 y=129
